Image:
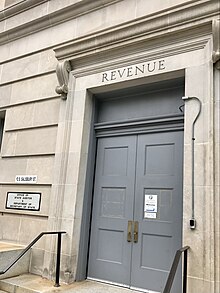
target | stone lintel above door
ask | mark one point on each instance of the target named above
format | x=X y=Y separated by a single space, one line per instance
x=150 y=32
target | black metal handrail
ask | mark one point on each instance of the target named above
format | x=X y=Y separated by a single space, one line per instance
x=57 y=284
x=174 y=268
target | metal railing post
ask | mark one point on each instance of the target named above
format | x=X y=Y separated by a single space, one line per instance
x=173 y=270
x=185 y=271
x=23 y=252
x=57 y=281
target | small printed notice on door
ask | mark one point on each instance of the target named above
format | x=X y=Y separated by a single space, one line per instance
x=150 y=206
x=150 y=215
x=150 y=203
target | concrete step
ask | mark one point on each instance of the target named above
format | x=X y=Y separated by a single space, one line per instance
x=8 y=252
x=29 y=283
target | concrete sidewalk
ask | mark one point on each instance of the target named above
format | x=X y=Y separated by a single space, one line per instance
x=29 y=283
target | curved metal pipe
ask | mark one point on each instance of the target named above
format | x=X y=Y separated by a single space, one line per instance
x=192 y=220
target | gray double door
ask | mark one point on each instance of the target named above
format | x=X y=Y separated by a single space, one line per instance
x=137 y=210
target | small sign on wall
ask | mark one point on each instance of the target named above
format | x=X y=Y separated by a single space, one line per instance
x=150 y=206
x=26 y=179
x=23 y=201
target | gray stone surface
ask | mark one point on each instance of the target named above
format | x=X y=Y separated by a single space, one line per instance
x=29 y=283
x=8 y=253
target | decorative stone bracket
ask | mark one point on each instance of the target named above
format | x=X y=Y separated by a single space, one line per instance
x=63 y=69
x=216 y=42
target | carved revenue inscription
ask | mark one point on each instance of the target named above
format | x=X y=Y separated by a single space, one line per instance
x=134 y=70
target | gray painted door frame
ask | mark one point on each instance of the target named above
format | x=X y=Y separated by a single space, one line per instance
x=167 y=106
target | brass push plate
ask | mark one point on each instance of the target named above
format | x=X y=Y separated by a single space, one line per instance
x=129 y=235
x=135 y=231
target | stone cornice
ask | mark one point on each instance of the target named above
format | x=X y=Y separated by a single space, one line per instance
x=136 y=53
x=183 y=18
x=51 y=19
x=19 y=7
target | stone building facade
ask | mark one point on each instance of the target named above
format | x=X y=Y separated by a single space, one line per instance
x=120 y=69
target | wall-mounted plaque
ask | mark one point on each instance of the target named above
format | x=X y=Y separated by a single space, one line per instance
x=26 y=179
x=23 y=201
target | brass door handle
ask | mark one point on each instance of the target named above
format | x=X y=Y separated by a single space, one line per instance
x=136 y=231
x=129 y=234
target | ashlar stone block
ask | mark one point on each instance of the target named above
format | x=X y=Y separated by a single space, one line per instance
x=94 y=21
x=30 y=227
x=36 y=141
x=114 y=15
x=29 y=66
x=42 y=167
x=12 y=167
x=48 y=61
x=10 y=223
x=20 y=68
x=29 y=142
x=36 y=114
x=2 y=5
x=19 y=117
x=30 y=43
x=196 y=285
x=4 y=52
x=5 y=95
x=69 y=27
x=9 y=144
x=36 y=88
x=37 y=260
x=46 y=112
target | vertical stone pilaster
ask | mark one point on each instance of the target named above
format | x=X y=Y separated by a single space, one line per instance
x=216 y=82
x=58 y=193
x=217 y=173
x=201 y=240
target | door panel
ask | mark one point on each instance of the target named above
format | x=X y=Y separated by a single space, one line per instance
x=128 y=170
x=110 y=252
x=158 y=173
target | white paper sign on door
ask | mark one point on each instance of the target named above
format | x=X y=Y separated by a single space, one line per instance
x=150 y=203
